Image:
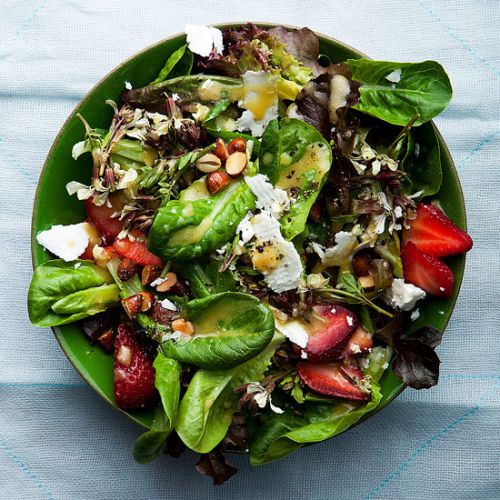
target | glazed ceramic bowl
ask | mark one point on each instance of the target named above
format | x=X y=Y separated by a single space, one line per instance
x=52 y=206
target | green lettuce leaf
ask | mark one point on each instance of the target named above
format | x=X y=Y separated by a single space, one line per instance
x=198 y=223
x=422 y=161
x=63 y=292
x=179 y=63
x=284 y=433
x=296 y=158
x=207 y=408
x=230 y=328
x=205 y=279
x=423 y=89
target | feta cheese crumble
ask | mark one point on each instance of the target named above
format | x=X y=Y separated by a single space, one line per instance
x=260 y=102
x=66 y=242
x=293 y=330
x=269 y=198
x=168 y=304
x=345 y=243
x=276 y=258
x=403 y=296
x=202 y=40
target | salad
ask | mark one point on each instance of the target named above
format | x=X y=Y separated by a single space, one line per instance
x=261 y=228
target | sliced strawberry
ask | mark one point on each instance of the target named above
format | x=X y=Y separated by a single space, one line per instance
x=426 y=272
x=136 y=251
x=94 y=239
x=332 y=379
x=134 y=383
x=329 y=331
x=435 y=234
x=109 y=227
x=360 y=342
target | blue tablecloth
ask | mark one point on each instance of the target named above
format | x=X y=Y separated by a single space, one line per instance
x=59 y=440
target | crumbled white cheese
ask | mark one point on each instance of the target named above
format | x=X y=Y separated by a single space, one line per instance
x=385 y=365
x=168 y=304
x=349 y=320
x=269 y=198
x=403 y=296
x=394 y=76
x=415 y=315
x=245 y=229
x=260 y=102
x=66 y=242
x=78 y=265
x=303 y=354
x=294 y=330
x=128 y=85
x=276 y=258
x=398 y=212
x=256 y=127
x=336 y=255
x=202 y=40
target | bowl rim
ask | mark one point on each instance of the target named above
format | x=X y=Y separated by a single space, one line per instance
x=72 y=115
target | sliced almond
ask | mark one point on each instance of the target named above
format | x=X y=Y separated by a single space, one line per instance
x=183 y=326
x=236 y=163
x=147 y=301
x=208 y=163
x=366 y=281
x=168 y=282
x=220 y=149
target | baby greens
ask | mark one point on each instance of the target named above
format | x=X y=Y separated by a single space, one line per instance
x=205 y=278
x=422 y=161
x=206 y=410
x=397 y=92
x=179 y=63
x=64 y=292
x=296 y=158
x=198 y=223
x=230 y=328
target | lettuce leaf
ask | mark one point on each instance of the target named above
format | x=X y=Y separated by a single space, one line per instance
x=251 y=48
x=230 y=328
x=207 y=408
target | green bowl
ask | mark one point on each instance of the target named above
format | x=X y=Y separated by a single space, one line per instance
x=52 y=205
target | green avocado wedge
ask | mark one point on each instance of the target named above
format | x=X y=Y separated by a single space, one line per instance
x=52 y=206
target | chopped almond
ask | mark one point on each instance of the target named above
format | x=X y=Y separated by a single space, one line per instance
x=183 y=326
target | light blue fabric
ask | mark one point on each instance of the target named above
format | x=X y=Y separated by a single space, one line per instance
x=59 y=440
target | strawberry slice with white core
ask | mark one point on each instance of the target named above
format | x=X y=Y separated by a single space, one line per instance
x=333 y=379
x=434 y=234
x=134 y=382
x=426 y=272
x=329 y=330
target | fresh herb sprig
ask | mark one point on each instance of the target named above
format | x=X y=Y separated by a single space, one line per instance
x=352 y=292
